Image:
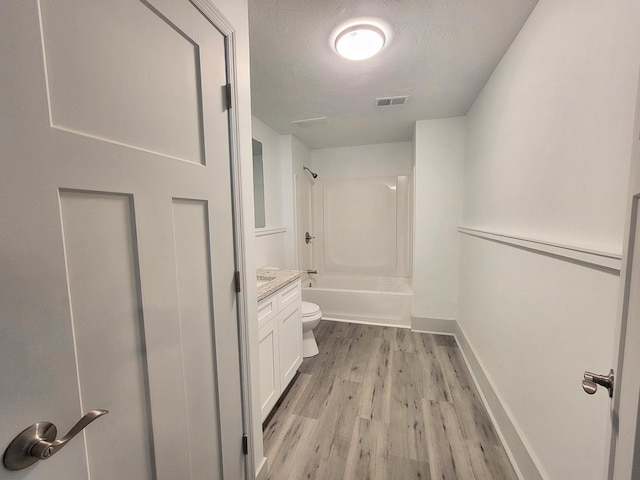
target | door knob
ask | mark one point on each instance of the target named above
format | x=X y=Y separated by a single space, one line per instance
x=38 y=442
x=592 y=380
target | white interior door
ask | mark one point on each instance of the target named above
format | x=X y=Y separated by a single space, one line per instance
x=116 y=255
x=625 y=452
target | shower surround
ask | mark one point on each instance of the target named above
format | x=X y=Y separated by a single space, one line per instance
x=362 y=250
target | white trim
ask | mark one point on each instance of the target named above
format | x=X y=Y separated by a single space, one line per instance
x=261 y=232
x=220 y=22
x=609 y=260
x=263 y=470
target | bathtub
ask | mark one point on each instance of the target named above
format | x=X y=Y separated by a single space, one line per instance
x=361 y=299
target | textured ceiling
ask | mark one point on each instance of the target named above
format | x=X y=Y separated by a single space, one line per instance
x=441 y=53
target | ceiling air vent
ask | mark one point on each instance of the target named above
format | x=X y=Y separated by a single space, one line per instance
x=391 y=101
x=309 y=122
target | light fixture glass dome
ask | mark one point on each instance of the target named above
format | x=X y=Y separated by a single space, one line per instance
x=360 y=41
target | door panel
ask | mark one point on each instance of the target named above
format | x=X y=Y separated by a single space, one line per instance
x=191 y=232
x=109 y=56
x=107 y=328
x=117 y=252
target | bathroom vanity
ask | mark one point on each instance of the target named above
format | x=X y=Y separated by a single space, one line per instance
x=279 y=332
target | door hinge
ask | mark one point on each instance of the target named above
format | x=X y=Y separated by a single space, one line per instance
x=245 y=444
x=236 y=279
x=228 y=95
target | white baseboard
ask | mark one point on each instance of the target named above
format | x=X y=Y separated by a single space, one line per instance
x=262 y=472
x=433 y=325
x=524 y=462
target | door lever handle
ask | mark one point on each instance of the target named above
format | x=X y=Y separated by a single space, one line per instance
x=38 y=442
x=592 y=380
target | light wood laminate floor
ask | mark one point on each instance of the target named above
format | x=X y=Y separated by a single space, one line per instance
x=383 y=403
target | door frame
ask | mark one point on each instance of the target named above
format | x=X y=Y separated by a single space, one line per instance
x=623 y=320
x=219 y=21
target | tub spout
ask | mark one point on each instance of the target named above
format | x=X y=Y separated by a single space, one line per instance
x=314 y=272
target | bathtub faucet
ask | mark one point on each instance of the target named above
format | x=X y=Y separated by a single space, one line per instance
x=315 y=272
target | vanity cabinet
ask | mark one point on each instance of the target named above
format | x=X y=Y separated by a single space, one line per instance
x=280 y=342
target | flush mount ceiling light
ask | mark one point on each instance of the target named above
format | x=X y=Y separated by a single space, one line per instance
x=360 y=41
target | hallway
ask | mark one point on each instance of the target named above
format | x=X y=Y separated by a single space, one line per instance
x=383 y=403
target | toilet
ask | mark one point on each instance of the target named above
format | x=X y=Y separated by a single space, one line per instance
x=311 y=315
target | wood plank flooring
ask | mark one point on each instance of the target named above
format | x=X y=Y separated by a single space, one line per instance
x=383 y=403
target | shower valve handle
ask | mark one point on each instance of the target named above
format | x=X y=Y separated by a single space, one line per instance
x=307 y=237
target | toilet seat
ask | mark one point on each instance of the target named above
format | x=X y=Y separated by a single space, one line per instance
x=309 y=309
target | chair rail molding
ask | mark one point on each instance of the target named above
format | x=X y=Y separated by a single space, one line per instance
x=587 y=256
x=261 y=232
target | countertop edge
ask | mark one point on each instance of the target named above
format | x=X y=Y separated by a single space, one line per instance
x=282 y=279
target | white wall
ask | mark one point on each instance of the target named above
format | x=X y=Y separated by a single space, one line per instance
x=536 y=324
x=274 y=162
x=439 y=160
x=300 y=156
x=365 y=161
x=549 y=142
x=276 y=249
x=556 y=113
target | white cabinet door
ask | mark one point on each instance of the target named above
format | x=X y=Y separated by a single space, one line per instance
x=280 y=343
x=116 y=249
x=269 y=366
x=290 y=342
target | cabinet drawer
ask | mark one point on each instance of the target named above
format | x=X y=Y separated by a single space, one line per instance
x=267 y=309
x=288 y=295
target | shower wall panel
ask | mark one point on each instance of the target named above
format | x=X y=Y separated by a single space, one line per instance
x=362 y=226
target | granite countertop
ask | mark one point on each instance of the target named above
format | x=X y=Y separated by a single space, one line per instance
x=276 y=279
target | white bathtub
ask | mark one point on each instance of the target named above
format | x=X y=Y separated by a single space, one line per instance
x=361 y=298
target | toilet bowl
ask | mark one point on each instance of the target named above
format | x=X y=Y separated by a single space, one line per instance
x=311 y=315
